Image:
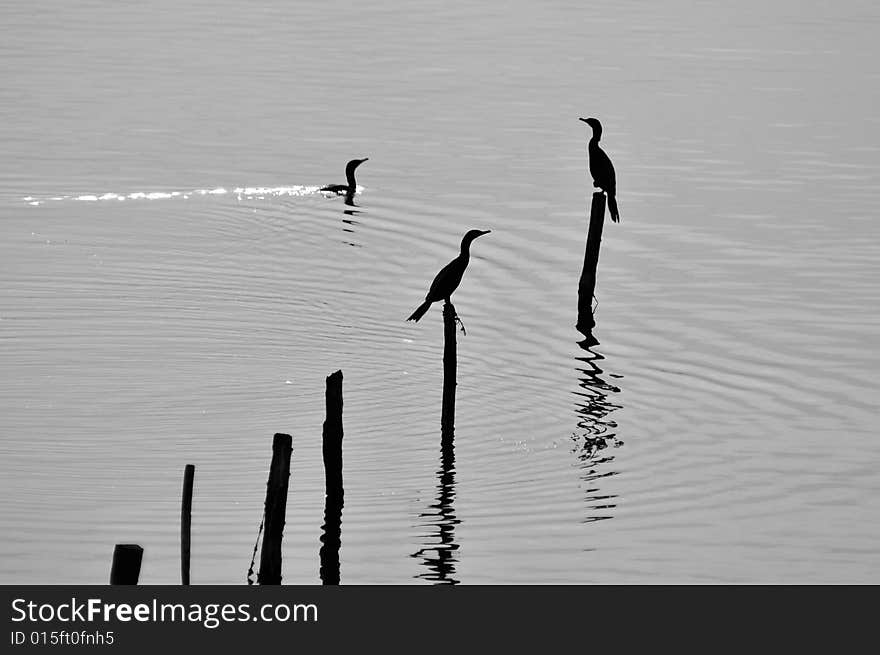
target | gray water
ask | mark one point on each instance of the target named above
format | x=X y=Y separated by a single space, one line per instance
x=174 y=290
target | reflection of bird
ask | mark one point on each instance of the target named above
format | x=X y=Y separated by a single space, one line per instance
x=449 y=277
x=350 y=186
x=601 y=168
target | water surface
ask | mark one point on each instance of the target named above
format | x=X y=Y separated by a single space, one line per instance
x=174 y=290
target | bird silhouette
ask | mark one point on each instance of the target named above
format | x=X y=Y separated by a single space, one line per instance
x=602 y=169
x=449 y=277
x=350 y=186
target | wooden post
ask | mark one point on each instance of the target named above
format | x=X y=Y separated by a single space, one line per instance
x=126 y=568
x=276 y=508
x=186 y=522
x=333 y=501
x=587 y=285
x=332 y=446
x=450 y=364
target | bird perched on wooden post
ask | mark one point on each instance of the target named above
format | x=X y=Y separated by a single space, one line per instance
x=601 y=168
x=449 y=277
x=350 y=186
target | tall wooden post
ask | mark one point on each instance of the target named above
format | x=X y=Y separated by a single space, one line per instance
x=587 y=285
x=186 y=522
x=450 y=365
x=276 y=508
x=333 y=501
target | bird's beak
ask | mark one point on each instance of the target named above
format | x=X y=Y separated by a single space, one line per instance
x=365 y=159
x=482 y=232
x=584 y=119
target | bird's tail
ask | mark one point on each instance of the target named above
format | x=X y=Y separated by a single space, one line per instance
x=612 y=207
x=420 y=311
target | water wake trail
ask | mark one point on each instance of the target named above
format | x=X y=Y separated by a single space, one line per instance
x=242 y=193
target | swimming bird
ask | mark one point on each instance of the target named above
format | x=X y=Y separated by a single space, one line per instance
x=449 y=277
x=350 y=186
x=601 y=168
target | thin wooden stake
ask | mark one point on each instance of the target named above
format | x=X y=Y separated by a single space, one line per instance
x=186 y=522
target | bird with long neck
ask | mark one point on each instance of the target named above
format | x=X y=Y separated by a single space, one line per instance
x=351 y=185
x=449 y=277
x=602 y=169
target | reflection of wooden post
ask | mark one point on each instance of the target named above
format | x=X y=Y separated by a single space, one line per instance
x=276 y=508
x=447 y=415
x=333 y=501
x=186 y=522
x=587 y=286
x=126 y=568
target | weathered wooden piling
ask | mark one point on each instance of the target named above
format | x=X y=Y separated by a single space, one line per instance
x=332 y=436
x=186 y=522
x=587 y=285
x=450 y=364
x=275 y=510
x=331 y=538
x=126 y=568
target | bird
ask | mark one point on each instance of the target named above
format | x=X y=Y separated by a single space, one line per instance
x=449 y=277
x=350 y=186
x=602 y=169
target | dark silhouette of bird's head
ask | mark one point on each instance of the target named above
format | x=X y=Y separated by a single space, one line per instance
x=353 y=164
x=595 y=124
x=471 y=235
